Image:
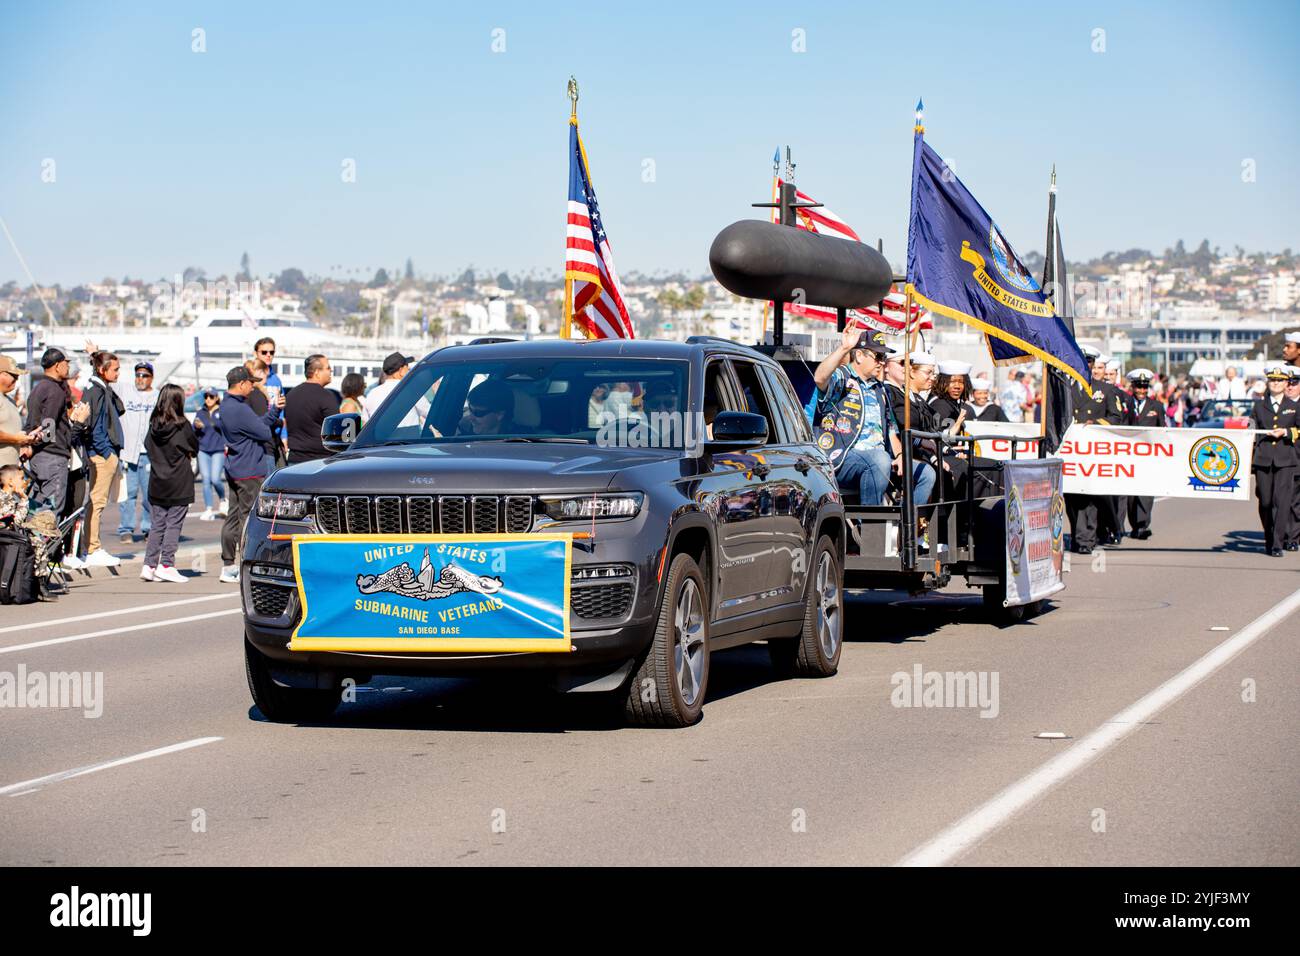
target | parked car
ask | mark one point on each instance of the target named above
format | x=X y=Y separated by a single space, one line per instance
x=1225 y=413
x=718 y=525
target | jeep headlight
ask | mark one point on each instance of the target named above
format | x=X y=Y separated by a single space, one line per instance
x=282 y=507
x=586 y=507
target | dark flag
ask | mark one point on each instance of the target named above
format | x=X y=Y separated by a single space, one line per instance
x=1056 y=280
x=1059 y=409
x=960 y=265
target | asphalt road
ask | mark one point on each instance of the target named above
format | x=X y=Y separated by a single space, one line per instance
x=801 y=771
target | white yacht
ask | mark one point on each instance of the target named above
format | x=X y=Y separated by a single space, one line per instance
x=199 y=349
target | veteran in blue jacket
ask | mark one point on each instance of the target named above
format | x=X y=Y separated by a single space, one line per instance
x=246 y=436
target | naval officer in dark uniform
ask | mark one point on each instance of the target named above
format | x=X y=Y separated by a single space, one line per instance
x=1114 y=411
x=1293 y=393
x=951 y=393
x=982 y=406
x=1082 y=509
x=1145 y=412
x=1275 y=460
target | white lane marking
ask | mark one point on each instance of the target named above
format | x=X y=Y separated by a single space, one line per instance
x=119 y=630
x=979 y=823
x=126 y=610
x=30 y=786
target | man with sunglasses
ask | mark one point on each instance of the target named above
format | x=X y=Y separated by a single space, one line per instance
x=264 y=356
x=487 y=409
x=139 y=398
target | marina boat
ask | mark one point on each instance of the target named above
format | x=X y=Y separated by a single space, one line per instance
x=198 y=350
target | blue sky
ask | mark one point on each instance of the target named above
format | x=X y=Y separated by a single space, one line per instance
x=166 y=158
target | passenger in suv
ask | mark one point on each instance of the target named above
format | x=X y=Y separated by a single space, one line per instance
x=687 y=540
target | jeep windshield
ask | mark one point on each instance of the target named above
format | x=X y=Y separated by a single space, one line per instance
x=639 y=403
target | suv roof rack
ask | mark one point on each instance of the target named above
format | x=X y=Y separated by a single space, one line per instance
x=489 y=340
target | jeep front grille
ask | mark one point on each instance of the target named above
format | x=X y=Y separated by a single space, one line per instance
x=357 y=511
x=451 y=515
x=485 y=514
x=424 y=514
x=388 y=515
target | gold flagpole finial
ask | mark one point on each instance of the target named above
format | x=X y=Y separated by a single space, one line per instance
x=573 y=98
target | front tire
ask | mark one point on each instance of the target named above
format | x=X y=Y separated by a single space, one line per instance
x=669 y=687
x=816 y=651
x=285 y=705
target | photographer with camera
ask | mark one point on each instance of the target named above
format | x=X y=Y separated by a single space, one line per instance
x=12 y=437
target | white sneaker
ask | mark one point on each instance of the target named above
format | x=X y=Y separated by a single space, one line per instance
x=147 y=573
x=71 y=562
x=224 y=507
x=207 y=515
x=170 y=574
x=99 y=558
x=230 y=574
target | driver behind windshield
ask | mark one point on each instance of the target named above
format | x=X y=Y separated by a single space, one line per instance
x=660 y=398
x=487 y=409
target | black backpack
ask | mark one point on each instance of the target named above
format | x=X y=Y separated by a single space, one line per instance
x=17 y=568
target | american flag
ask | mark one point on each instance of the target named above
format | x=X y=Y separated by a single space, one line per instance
x=824 y=222
x=598 y=307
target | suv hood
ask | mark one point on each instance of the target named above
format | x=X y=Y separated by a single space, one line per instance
x=461 y=468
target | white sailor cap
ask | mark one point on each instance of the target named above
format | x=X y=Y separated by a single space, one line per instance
x=1293 y=338
x=1090 y=352
x=1141 y=375
x=980 y=384
x=1294 y=372
x=921 y=358
x=1277 y=372
x=953 y=367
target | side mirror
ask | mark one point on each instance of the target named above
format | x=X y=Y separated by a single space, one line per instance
x=338 y=432
x=735 y=431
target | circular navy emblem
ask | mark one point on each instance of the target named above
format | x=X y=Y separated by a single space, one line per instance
x=1214 y=460
x=1015 y=529
x=1007 y=264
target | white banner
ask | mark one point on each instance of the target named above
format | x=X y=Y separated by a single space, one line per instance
x=1205 y=463
x=999 y=448
x=1035 y=510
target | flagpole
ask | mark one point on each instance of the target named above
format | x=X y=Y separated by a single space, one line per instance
x=566 y=322
x=1049 y=290
x=776 y=175
x=909 y=337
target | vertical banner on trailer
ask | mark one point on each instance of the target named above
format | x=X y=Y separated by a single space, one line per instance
x=1035 y=530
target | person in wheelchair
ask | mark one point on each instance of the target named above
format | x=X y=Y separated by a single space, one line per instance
x=852 y=415
x=17 y=516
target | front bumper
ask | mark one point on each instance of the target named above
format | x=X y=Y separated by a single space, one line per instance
x=611 y=621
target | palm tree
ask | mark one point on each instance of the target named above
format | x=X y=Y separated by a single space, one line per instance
x=694 y=301
x=671 y=300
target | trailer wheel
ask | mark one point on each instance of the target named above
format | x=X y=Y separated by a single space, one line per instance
x=993 y=594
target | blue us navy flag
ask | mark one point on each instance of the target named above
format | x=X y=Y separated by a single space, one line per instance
x=960 y=265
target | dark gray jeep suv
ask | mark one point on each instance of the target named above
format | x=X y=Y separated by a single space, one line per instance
x=703 y=516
